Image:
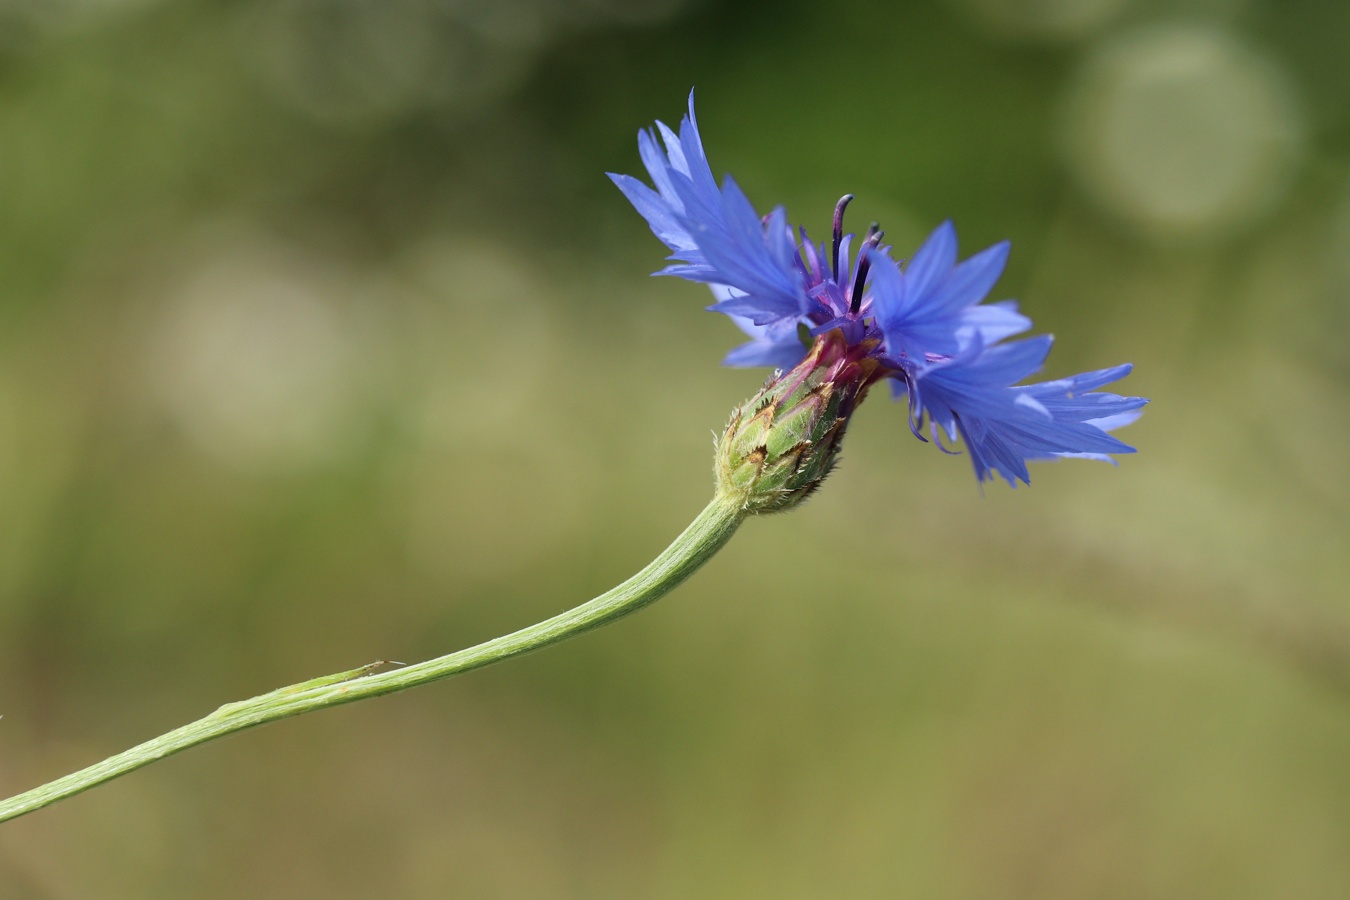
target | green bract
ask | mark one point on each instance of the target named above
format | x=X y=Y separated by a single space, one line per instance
x=782 y=442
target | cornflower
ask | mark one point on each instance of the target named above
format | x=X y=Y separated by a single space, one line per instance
x=824 y=314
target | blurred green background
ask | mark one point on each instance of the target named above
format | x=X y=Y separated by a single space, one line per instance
x=324 y=339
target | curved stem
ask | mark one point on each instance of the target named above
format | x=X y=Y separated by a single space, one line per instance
x=704 y=537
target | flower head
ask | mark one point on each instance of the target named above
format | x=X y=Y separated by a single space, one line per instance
x=825 y=314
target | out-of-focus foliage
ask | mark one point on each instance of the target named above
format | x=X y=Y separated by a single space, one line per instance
x=323 y=339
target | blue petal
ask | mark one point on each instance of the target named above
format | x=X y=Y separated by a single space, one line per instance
x=1003 y=426
x=972 y=280
x=991 y=322
x=908 y=331
x=752 y=257
x=674 y=150
x=1078 y=384
x=777 y=345
x=931 y=262
x=1005 y=364
x=930 y=307
x=1119 y=420
x=664 y=221
x=753 y=308
x=696 y=161
x=778 y=355
x=658 y=167
x=716 y=235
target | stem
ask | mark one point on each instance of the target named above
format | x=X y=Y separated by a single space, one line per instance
x=700 y=541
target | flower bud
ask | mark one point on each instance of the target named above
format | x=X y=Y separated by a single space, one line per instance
x=781 y=443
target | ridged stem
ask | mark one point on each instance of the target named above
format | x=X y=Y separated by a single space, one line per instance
x=700 y=541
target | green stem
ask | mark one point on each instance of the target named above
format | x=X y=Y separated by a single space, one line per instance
x=703 y=538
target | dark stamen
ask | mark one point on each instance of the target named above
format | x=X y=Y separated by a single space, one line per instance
x=874 y=237
x=839 y=229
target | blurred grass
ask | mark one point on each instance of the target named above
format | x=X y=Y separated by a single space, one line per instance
x=291 y=381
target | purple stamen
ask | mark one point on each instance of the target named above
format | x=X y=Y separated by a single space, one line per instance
x=874 y=236
x=839 y=229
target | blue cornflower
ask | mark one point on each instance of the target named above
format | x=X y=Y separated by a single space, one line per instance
x=863 y=317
